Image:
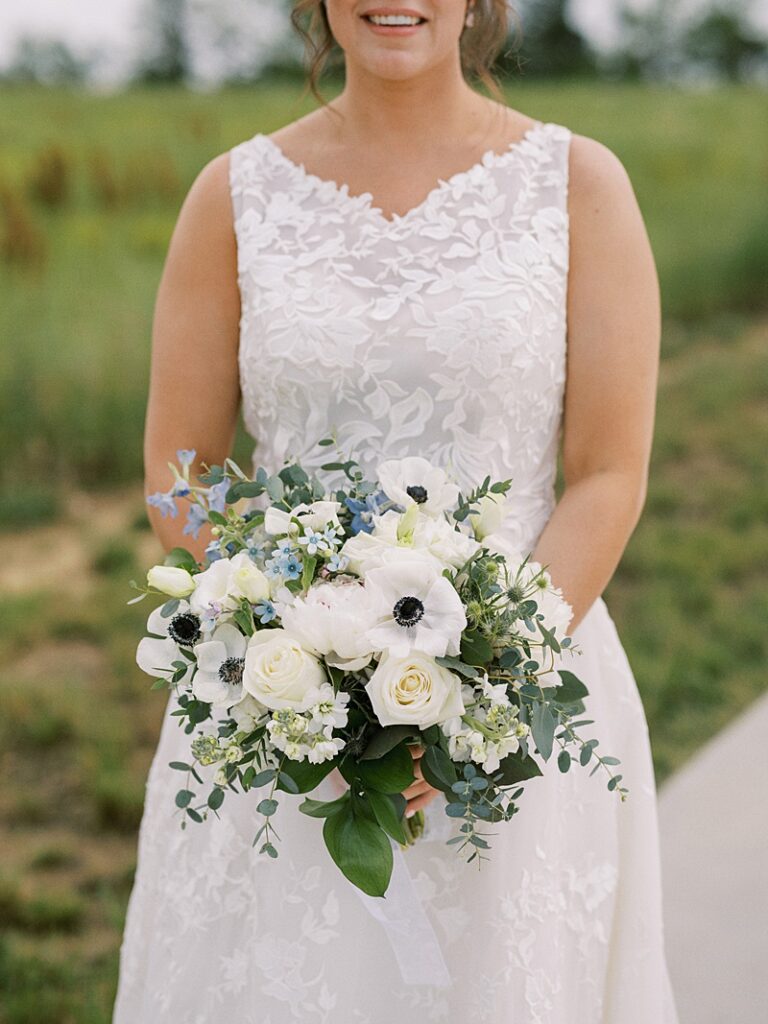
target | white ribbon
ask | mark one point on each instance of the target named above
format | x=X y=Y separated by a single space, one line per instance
x=409 y=930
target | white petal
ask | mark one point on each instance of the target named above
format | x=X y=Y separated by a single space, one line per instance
x=210 y=655
x=155 y=657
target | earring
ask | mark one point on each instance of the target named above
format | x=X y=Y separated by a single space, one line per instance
x=469 y=21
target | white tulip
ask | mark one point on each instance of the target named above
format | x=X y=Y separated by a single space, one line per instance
x=414 y=691
x=492 y=510
x=280 y=673
x=171 y=580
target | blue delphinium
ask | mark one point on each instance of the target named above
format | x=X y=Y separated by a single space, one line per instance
x=364 y=511
x=186 y=456
x=164 y=501
x=217 y=495
x=196 y=517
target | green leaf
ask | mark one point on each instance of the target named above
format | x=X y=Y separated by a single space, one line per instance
x=391 y=773
x=563 y=760
x=216 y=798
x=475 y=649
x=308 y=571
x=571 y=689
x=543 y=727
x=456 y=665
x=438 y=769
x=323 y=808
x=217 y=518
x=362 y=851
x=183 y=797
x=386 y=815
x=181 y=559
x=304 y=774
x=385 y=739
x=194 y=815
x=267 y=806
x=243 y=489
x=516 y=768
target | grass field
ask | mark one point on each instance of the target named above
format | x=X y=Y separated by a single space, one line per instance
x=89 y=191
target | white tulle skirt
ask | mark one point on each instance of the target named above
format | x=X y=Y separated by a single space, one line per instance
x=562 y=926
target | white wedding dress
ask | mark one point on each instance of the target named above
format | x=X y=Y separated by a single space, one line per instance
x=441 y=332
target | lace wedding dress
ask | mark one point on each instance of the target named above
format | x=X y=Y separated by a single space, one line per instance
x=440 y=332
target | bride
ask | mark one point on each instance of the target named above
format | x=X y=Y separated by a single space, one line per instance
x=423 y=270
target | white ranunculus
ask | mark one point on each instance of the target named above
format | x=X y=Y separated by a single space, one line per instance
x=171 y=580
x=443 y=541
x=414 y=691
x=332 y=620
x=416 y=609
x=317 y=515
x=279 y=672
x=226 y=582
x=247 y=580
x=492 y=510
x=277 y=522
x=219 y=676
x=366 y=551
x=414 y=480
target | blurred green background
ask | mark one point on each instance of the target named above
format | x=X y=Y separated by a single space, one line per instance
x=90 y=187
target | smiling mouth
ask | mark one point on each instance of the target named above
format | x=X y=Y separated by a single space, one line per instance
x=393 y=20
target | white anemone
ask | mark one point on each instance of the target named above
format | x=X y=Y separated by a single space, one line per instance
x=414 y=480
x=220 y=661
x=417 y=610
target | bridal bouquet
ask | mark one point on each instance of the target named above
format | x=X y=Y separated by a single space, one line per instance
x=334 y=628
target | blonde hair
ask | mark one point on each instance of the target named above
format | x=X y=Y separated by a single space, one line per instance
x=479 y=45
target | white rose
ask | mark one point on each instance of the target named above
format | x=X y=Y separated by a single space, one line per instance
x=332 y=621
x=414 y=691
x=171 y=580
x=414 y=480
x=491 y=512
x=280 y=673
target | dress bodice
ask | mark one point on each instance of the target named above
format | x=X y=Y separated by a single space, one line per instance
x=439 y=332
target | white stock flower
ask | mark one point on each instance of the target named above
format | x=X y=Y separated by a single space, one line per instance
x=414 y=691
x=220 y=660
x=332 y=620
x=413 y=480
x=492 y=510
x=415 y=609
x=171 y=580
x=226 y=582
x=279 y=672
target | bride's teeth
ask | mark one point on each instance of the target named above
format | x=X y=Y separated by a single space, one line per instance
x=393 y=19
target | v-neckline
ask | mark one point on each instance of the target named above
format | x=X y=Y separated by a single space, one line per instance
x=490 y=158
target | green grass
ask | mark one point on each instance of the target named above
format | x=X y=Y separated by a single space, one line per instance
x=79 y=724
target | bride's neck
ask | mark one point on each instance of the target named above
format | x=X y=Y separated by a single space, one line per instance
x=438 y=104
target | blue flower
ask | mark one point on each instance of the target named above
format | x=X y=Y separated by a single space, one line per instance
x=164 y=501
x=264 y=611
x=314 y=542
x=196 y=517
x=292 y=567
x=186 y=456
x=363 y=511
x=217 y=494
x=337 y=562
x=213 y=552
x=181 y=488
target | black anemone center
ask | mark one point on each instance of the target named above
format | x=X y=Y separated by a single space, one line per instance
x=231 y=671
x=418 y=493
x=185 y=629
x=408 y=611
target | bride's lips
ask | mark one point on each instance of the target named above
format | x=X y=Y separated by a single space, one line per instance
x=393 y=30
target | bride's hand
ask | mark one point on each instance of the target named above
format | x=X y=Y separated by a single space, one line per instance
x=419 y=793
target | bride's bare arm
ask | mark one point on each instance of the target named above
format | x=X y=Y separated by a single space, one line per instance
x=614 y=332
x=194 y=391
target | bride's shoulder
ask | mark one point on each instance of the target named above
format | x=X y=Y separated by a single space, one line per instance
x=596 y=172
